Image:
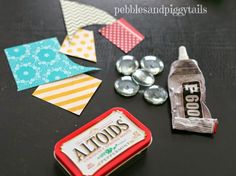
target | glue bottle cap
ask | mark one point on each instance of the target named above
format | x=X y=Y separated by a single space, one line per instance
x=183 y=55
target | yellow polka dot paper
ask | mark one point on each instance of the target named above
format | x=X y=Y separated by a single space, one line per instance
x=81 y=45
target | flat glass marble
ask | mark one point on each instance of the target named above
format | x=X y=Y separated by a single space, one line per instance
x=127 y=64
x=143 y=77
x=155 y=95
x=152 y=64
x=125 y=86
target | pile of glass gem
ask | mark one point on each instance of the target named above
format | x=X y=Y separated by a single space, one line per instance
x=135 y=77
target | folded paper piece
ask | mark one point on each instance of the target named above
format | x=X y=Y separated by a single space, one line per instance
x=122 y=34
x=40 y=62
x=71 y=94
x=78 y=15
x=81 y=45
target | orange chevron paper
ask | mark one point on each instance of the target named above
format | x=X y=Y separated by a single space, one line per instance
x=71 y=94
x=80 y=45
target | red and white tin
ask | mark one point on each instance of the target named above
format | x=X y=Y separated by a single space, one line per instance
x=103 y=145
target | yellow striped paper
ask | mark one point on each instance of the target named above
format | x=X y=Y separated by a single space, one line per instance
x=71 y=94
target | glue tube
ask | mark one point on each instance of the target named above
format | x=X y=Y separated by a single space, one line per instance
x=187 y=94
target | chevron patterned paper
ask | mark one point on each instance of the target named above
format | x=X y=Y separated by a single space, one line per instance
x=71 y=94
x=78 y=15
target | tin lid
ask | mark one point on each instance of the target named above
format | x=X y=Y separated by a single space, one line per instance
x=103 y=144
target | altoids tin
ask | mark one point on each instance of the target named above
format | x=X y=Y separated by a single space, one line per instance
x=103 y=145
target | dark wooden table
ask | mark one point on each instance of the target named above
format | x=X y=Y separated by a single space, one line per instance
x=30 y=127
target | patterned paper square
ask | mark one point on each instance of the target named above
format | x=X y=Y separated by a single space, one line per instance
x=78 y=15
x=81 y=45
x=40 y=62
x=71 y=94
x=122 y=34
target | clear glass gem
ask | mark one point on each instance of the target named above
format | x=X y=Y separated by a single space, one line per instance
x=155 y=95
x=126 y=86
x=127 y=64
x=152 y=64
x=143 y=77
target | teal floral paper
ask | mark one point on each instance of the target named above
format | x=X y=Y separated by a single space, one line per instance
x=40 y=62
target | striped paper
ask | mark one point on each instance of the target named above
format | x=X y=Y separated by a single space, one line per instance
x=71 y=94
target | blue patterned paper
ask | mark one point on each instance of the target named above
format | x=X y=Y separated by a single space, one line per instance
x=40 y=62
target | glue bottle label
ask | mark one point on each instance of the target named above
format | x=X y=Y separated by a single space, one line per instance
x=191 y=97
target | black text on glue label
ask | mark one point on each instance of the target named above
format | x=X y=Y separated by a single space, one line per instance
x=192 y=96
